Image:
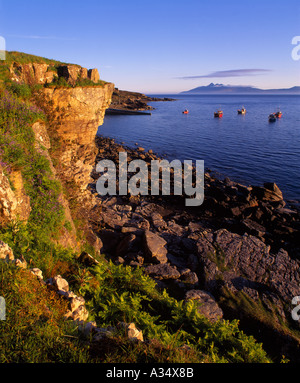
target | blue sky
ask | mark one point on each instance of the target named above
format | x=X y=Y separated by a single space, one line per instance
x=162 y=46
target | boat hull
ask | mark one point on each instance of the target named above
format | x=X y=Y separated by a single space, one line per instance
x=272 y=118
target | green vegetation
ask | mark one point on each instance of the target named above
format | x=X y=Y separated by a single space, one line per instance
x=259 y=314
x=25 y=58
x=87 y=82
x=119 y=293
x=36 y=331
x=18 y=152
x=61 y=82
x=20 y=90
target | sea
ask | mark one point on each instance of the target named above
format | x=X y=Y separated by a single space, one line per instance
x=246 y=148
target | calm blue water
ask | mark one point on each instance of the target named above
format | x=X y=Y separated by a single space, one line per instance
x=246 y=148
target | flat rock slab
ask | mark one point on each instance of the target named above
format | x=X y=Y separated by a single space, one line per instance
x=248 y=257
x=162 y=271
x=154 y=248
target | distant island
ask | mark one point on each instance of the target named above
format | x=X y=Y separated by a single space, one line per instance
x=233 y=89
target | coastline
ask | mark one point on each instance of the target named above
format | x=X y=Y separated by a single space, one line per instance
x=123 y=100
x=234 y=245
x=236 y=255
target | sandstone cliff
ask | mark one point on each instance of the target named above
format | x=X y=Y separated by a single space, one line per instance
x=67 y=139
x=74 y=116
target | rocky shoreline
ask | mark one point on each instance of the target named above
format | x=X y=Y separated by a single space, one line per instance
x=122 y=99
x=238 y=253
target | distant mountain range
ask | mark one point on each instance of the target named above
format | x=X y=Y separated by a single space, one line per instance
x=232 y=89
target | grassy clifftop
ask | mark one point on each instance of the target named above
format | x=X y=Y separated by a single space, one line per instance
x=23 y=73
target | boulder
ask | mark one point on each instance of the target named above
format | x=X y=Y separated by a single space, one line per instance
x=207 y=304
x=154 y=247
x=58 y=284
x=270 y=192
x=87 y=260
x=162 y=271
x=76 y=302
x=6 y=253
x=158 y=221
x=102 y=334
x=189 y=277
x=80 y=314
x=132 y=332
x=37 y=272
x=113 y=219
x=139 y=222
x=254 y=228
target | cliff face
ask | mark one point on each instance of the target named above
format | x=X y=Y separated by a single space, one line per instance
x=74 y=116
x=77 y=112
x=67 y=139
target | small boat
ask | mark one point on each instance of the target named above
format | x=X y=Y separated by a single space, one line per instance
x=272 y=117
x=242 y=111
x=278 y=114
x=219 y=113
x=185 y=111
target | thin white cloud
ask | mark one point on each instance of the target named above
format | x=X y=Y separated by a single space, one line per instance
x=37 y=37
x=229 y=73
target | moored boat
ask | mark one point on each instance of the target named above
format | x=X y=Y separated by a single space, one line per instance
x=219 y=113
x=278 y=114
x=185 y=111
x=242 y=111
x=272 y=117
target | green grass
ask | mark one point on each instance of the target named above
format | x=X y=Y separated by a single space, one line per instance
x=25 y=58
x=257 y=311
x=35 y=330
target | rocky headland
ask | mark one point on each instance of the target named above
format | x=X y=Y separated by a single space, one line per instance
x=125 y=100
